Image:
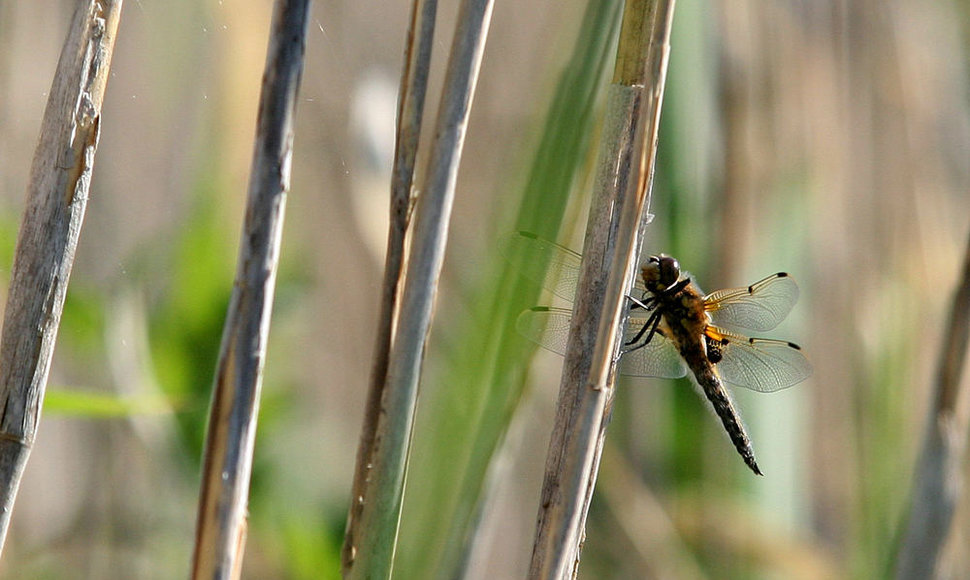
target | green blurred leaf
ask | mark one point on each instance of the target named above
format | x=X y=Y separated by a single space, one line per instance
x=312 y=550
x=82 y=322
x=186 y=320
x=104 y=406
x=464 y=416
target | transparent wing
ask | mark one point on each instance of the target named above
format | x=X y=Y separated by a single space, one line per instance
x=528 y=252
x=549 y=328
x=761 y=306
x=659 y=358
x=761 y=364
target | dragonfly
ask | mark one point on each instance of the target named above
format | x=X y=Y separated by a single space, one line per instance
x=674 y=328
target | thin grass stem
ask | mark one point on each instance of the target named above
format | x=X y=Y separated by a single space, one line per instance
x=223 y=498
x=444 y=524
x=939 y=475
x=410 y=114
x=384 y=491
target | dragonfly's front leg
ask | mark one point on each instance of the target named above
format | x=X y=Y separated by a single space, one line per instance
x=654 y=321
x=647 y=304
x=651 y=325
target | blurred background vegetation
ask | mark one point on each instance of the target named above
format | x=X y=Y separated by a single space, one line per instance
x=827 y=139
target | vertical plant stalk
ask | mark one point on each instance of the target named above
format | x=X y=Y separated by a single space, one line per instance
x=621 y=198
x=939 y=474
x=221 y=524
x=57 y=194
x=384 y=489
x=410 y=114
x=440 y=521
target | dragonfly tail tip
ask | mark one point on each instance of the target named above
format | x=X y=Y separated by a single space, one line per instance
x=750 y=462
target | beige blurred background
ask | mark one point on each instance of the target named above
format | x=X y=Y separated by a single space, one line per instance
x=829 y=139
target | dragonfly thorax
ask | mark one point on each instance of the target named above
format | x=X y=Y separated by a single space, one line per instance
x=660 y=273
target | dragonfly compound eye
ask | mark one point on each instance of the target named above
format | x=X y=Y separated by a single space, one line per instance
x=669 y=270
x=660 y=273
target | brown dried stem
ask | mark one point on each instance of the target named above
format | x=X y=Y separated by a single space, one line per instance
x=221 y=526
x=621 y=199
x=380 y=502
x=60 y=178
x=939 y=472
x=410 y=113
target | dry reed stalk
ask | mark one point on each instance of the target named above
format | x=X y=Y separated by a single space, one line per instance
x=939 y=476
x=57 y=195
x=380 y=502
x=621 y=200
x=410 y=114
x=221 y=524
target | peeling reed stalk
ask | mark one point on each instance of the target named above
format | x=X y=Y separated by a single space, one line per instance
x=57 y=194
x=620 y=204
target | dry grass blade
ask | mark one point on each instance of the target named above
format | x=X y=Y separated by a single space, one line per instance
x=221 y=526
x=620 y=200
x=939 y=473
x=57 y=195
x=414 y=86
x=380 y=510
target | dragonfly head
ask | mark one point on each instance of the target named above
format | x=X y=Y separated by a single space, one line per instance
x=660 y=272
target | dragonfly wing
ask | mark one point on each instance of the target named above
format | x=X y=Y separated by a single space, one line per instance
x=659 y=358
x=761 y=306
x=761 y=364
x=549 y=328
x=545 y=326
x=529 y=253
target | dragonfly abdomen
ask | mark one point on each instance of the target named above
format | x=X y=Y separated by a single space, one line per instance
x=687 y=324
x=715 y=392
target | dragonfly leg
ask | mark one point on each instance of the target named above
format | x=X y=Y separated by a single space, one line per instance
x=651 y=325
x=647 y=304
x=650 y=304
